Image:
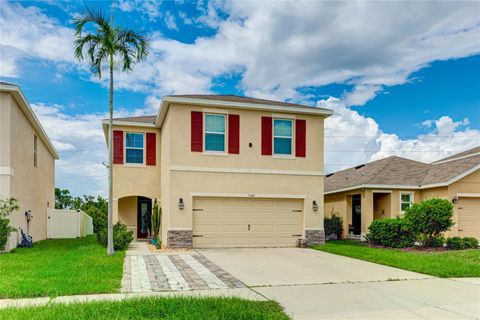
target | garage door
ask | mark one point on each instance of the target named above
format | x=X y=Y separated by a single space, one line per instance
x=246 y=222
x=469 y=217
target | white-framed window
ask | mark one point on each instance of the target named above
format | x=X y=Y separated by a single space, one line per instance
x=283 y=137
x=406 y=201
x=215 y=137
x=134 y=148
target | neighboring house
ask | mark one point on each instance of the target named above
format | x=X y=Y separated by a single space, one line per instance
x=385 y=188
x=27 y=163
x=228 y=171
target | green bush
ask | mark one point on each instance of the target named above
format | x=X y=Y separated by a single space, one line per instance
x=455 y=243
x=429 y=219
x=99 y=218
x=393 y=233
x=7 y=206
x=121 y=236
x=5 y=230
x=333 y=225
x=470 y=242
x=437 y=242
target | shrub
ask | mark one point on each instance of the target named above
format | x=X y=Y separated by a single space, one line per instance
x=437 y=242
x=333 y=225
x=429 y=218
x=121 y=236
x=393 y=233
x=455 y=243
x=470 y=242
x=99 y=218
x=6 y=208
x=156 y=219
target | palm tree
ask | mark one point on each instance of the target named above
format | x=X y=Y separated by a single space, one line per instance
x=105 y=47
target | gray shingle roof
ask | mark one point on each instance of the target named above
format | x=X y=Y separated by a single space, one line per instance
x=461 y=154
x=145 y=119
x=400 y=171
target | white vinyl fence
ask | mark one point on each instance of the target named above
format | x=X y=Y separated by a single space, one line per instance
x=63 y=224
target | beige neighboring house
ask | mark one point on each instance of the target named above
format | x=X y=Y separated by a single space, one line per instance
x=228 y=171
x=27 y=163
x=385 y=188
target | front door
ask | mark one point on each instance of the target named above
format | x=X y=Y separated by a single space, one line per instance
x=144 y=217
x=357 y=214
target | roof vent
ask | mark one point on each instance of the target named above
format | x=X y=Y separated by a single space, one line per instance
x=329 y=175
x=360 y=166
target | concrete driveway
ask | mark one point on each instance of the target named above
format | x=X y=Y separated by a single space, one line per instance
x=317 y=285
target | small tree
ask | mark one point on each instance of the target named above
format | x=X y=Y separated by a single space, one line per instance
x=429 y=218
x=333 y=225
x=156 y=219
x=6 y=208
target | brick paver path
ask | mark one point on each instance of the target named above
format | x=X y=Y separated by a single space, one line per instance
x=147 y=272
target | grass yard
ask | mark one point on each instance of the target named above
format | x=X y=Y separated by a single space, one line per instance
x=60 y=267
x=446 y=264
x=153 y=308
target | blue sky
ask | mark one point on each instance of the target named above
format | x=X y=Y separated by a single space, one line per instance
x=399 y=83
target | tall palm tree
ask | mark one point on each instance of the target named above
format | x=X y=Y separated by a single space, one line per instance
x=106 y=46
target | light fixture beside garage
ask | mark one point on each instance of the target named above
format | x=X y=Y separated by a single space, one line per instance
x=455 y=200
x=181 y=205
x=315 y=205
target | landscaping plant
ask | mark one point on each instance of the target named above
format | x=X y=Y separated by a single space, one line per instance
x=107 y=47
x=429 y=219
x=455 y=243
x=470 y=242
x=6 y=208
x=156 y=221
x=121 y=236
x=395 y=233
x=333 y=225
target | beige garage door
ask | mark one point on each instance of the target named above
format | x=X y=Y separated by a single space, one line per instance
x=469 y=217
x=246 y=222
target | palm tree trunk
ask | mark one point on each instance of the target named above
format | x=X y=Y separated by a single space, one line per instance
x=110 y=251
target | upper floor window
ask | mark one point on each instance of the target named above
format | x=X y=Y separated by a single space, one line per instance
x=282 y=136
x=406 y=200
x=35 y=151
x=134 y=147
x=215 y=136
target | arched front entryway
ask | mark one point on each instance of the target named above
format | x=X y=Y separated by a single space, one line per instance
x=136 y=212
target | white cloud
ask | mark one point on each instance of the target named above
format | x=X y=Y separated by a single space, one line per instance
x=149 y=7
x=352 y=139
x=170 y=21
x=28 y=32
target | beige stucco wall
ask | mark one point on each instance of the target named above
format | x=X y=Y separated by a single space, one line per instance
x=184 y=184
x=5 y=143
x=134 y=180
x=339 y=202
x=33 y=187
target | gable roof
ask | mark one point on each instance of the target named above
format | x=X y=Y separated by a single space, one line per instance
x=403 y=173
x=19 y=97
x=226 y=101
x=463 y=154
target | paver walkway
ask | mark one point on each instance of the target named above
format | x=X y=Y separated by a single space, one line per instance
x=145 y=271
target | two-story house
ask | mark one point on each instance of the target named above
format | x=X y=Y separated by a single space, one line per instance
x=27 y=164
x=228 y=171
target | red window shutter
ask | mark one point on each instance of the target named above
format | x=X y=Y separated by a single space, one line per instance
x=117 y=146
x=234 y=133
x=197 y=131
x=151 y=148
x=300 y=138
x=266 y=135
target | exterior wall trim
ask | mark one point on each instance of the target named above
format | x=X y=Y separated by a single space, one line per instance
x=130 y=124
x=381 y=191
x=468 y=195
x=245 y=170
x=248 y=195
x=6 y=171
x=166 y=101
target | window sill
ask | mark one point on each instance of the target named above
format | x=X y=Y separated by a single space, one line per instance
x=286 y=157
x=133 y=165
x=214 y=153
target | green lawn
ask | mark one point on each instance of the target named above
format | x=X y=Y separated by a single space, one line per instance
x=447 y=264
x=60 y=267
x=153 y=308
